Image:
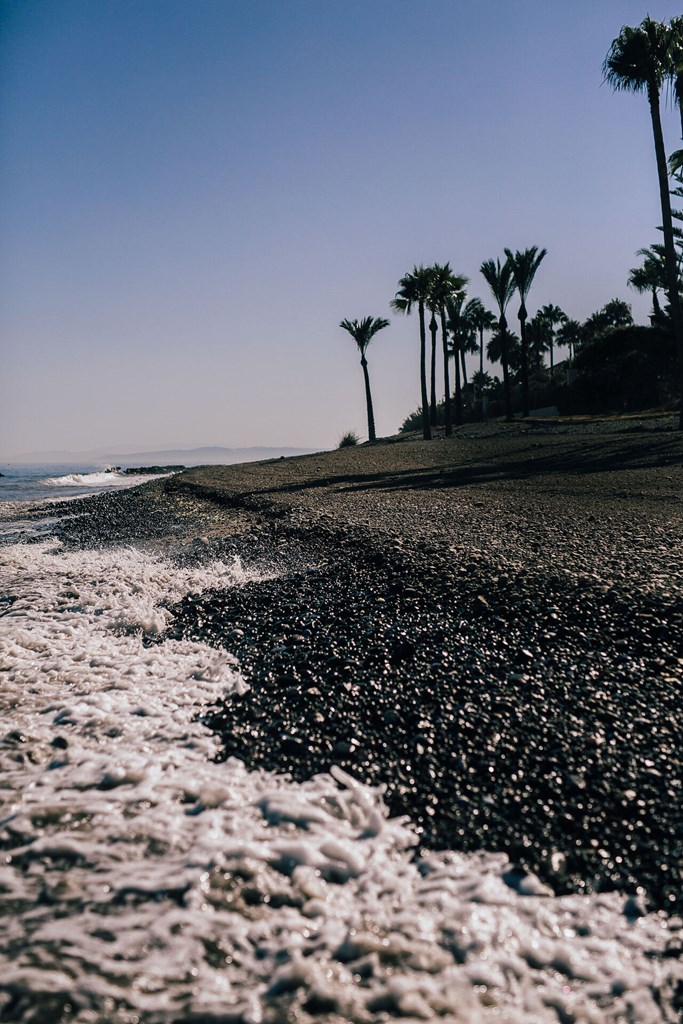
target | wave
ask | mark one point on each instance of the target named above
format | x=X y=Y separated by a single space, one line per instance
x=101 y=478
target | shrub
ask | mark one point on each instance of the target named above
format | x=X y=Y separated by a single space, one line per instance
x=348 y=439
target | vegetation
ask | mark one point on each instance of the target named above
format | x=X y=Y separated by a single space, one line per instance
x=524 y=265
x=501 y=282
x=348 y=440
x=362 y=332
x=644 y=59
x=445 y=287
x=415 y=290
x=611 y=364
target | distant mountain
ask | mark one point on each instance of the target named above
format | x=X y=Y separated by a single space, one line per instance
x=208 y=455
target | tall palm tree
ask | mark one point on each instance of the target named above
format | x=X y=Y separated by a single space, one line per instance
x=414 y=290
x=362 y=332
x=445 y=286
x=501 y=282
x=553 y=316
x=639 y=60
x=458 y=328
x=524 y=264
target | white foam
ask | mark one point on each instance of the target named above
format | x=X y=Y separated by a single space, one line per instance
x=144 y=881
x=102 y=478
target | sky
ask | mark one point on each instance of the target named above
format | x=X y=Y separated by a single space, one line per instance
x=194 y=193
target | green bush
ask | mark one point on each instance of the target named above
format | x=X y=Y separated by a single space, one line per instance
x=348 y=439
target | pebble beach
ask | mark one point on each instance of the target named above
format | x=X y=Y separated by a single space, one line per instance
x=489 y=625
x=486 y=630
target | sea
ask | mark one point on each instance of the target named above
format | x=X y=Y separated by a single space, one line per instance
x=141 y=880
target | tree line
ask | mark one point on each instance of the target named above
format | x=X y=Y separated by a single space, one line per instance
x=646 y=59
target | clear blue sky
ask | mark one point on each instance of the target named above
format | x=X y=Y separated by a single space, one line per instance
x=193 y=194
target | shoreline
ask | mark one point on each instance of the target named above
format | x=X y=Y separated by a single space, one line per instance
x=491 y=626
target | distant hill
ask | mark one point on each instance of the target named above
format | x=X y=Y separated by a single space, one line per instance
x=207 y=455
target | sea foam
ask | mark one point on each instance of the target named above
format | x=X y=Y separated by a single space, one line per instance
x=103 y=478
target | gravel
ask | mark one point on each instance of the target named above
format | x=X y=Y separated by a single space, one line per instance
x=489 y=626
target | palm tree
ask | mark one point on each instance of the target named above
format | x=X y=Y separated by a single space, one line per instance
x=445 y=286
x=458 y=329
x=414 y=290
x=539 y=339
x=362 y=332
x=483 y=320
x=569 y=334
x=553 y=316
x=639 y=60
x=468 y=336
x=524 y=264
x=501 y=282
x=650 y=276
x=494 y=349
x=617 y=313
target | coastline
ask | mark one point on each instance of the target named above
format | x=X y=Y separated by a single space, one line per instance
x=496 y=622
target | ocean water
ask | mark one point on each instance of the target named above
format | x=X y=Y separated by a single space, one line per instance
x=142 y=881
x=21 y=482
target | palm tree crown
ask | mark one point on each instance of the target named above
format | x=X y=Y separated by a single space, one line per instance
x=524 y=263
x=500 y=281
x=413 y=289
x=639 y=58
x=363 y=331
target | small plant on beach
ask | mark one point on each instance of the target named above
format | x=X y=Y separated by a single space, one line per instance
x=362 y=332
x=348 y=440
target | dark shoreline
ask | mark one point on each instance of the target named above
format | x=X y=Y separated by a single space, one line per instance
x=491 y=627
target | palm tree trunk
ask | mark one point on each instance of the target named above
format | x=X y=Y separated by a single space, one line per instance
x=481 y=370
x=667 y=228
x=426 y=428
x=458 y=391
x=448 y=414
x=368 y=400
x=464 y=367
x=552 y=360
x=432 y=401
x=506 y=368
x=525 y=362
